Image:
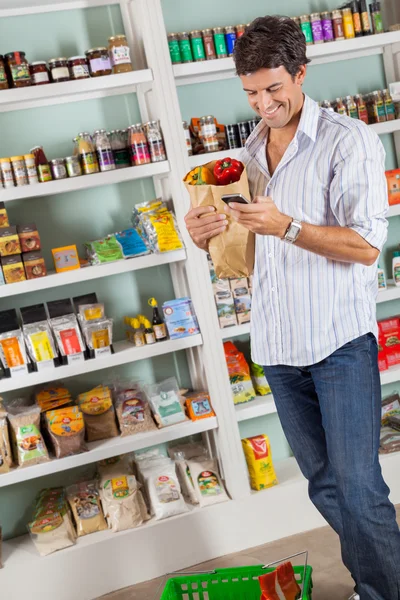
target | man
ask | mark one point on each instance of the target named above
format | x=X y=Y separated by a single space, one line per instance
x=318 y=211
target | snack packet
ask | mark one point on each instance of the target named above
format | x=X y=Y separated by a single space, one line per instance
x=257 y=451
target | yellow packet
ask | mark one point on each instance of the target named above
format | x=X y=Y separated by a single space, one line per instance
x=257 y=451
x=41 y=346
x=167 y=236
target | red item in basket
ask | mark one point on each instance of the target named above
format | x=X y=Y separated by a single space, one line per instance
x=279 y=584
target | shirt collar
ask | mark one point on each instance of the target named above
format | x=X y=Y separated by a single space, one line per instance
x=308 y=125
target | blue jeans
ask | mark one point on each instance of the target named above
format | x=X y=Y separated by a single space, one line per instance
x=331 y=413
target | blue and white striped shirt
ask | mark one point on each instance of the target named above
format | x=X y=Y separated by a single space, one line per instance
x=306 y=306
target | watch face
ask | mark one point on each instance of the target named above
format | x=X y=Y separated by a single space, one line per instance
x=293 y=233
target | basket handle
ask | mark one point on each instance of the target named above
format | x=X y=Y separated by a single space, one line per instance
x=305 y=552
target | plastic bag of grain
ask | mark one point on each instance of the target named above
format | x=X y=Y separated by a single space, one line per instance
x=132 y=408
x=28 y=443
x=207 y=482
x=84 y=500
x=5 y=448
x=123 y=502
x=181 y=453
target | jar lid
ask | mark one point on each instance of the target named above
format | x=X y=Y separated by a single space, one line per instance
x=3 y=160
x=315 y=15
x=337 y=12
x=229 y=28
x=99 y=49
x=347 y=9
x=218 y=29
x=172 y=35
x=183 y=33
x=72 y=158
x=12 y=158
x=57 y=161
x=11 y=54
x=206 y=31
x=60 y=59
x=326 y=12
x=195 y=32
x=120 y=36
x=38 y=62
x=305 y=17
x=29 y=156
x=77 y=58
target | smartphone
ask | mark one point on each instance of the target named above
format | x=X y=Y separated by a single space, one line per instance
x=235 y=198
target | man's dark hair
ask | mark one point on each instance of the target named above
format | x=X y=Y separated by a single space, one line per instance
x=268 y=43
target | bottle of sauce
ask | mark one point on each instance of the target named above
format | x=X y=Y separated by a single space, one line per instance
x=379 y=107
x=351 y=107
x=42 y=164
x=389 y=106
x=337 y=19
x=361 y=108
x=356 y=18
x=87 y=153
x=149 y=335
x=340 y=107
x=348 y=24
x=160 y=330
x=366 y=24
x=377 y=23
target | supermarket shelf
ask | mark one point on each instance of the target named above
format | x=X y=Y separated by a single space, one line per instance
x=108 y=448
x=230 y=332
x=84 y=182
x=392 y=375
x=73 y=91
x=391 y=293
x=261 y=406
x=88 y=273
x=10 y=8
x=388 y=127
x=394 y=211
x=124 y=353
x=223 y=68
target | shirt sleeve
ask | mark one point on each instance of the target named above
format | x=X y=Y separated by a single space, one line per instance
x=358 y=190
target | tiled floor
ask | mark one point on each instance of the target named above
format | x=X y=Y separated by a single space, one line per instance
x=331 y=580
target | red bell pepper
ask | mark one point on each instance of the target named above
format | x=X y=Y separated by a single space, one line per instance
x=228 y=170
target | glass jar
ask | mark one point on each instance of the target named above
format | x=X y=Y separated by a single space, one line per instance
x=73 y=166
x=59 y=69
x=19 y=69
x=348 y=24
x=140 y=152
x=120 y=151
x=376 y=14
x=119 y=54
x=174 y=51
x=42 y=164
x=187 y=138
x=19 y=170
x=3 y=74
x=361 y=108
x=208 y=41
x=337 y=20
x=316 y=27
x=327 y=26
x=185 y=47
x=39 y=73
x=208 y=131
x=78 y=67
x=232 y=136
x=31 y=169
x=220 y=43
x=6 y=173
x=306 y=28
x=104 y=151
x=87 y=154
x=240 y=29
x=230 y=38
x=244 y=132
x=58 y=168
x=155 y=140
x=99 y=62
x=197 y=45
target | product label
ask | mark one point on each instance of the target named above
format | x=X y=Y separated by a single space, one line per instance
x=198 y=49
x=363 y=113
x=220 y=45
x=122 y=158
x=174 y=51
x=41 y=77
x=201 y=407
x=353 y=113
x=209 y=484
x=318 y=34
x=259 y=446
x=44 y=173
x=120 y=487
x=66 y=422
x=327 y=29
x=169 y=408
x=396 y=274
x=93 y=312
x=44 y=365
x=96 y=404
x=70 y=341
x=100 y=339
x=87 y=504
x=107 y=250
x=134 y=409
x=9 y=244
x=30 y=443
x=167 y=236
x=60 y=73
x=3 y=76
x=7 y=174
x=99 y=352
x=20 y=72
x=11 y=351
x=166 y=489
x=47 y=524
x=140 y=154
x=306 y=29
x=150 y=338
x=106 y=160
x=89 y=163
x=41 y=346
x=120 y=55
x=32 y=174
x=186 y=50
x=230 y=42
x=75 y=358
x=160 y=331
x=131 y=243
x=80 y=71
x=100 y=64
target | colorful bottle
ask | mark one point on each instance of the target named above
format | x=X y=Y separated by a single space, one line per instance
x=361 y=108
x=381 y=279
x=389 y=106
x=396 y=268
x=351 y=107
x=157 y=322
x=340 y=107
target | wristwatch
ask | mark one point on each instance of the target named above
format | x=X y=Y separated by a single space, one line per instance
x=292 y=232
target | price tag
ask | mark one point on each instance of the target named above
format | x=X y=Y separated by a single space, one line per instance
x=75 y=358
x=20 y=370
x=102 y=352
x=45 y=364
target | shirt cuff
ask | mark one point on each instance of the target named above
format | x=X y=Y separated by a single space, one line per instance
x=376 y=238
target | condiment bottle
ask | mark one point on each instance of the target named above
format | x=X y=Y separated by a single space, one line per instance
x=87 y=153
x=149 y=335
x=174 y=51
x=351 y=107
x=377 y=23
x=316 y=26
x=155 y=140
x=340 y=107
x=119 y=54
x=158 y=324
x=6 y=173
x=187 y=137
x=361 y=108
x=348 y=24
x=327 y=26
x=208 y=132
x=306 y=28
x=138 y=335
x=209 y=46
x=230 y=38
x=220 y=43
x=382 y=279
x=39 y=73
x=396 y=268
x=3 y=75
x=120 y=151
x=356 y=18
x=197 y=45
x=389 y=106
x=104 y=151
x=42 y=164
x=19 y=69
x=366 y=24
x=379 y=107
x=337 y=19
x=326 y=104
x=185 y=47
x=31 y=168
x=140 y=152
x=240 y=29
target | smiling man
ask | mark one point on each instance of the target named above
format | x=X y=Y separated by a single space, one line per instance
x=319 y=200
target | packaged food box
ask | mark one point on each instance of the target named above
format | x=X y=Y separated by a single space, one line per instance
x=65 y=258
x=9 y=241
x=180 y=318
x=393 y=181
x=13 y=268
x=225 y=308
x=239 y=287
x=34 y=265
x=388 y=340
x=389 y=325
x=29 y=237
x=393 y=356
x=221 y=285
x=244 y=317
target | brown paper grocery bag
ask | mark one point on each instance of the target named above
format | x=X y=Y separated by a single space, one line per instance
x=232 y=251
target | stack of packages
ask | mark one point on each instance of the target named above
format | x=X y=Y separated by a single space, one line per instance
x=51 y=528
x=246 y=382
x=232 y=298
x=389 y=343
x=390 y=432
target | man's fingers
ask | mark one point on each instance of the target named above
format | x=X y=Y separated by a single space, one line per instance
x=196 y=223
x=211 y=234
x=198 y=211
x=208 y=228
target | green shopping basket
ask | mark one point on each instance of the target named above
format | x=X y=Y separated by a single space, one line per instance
x=240 y=583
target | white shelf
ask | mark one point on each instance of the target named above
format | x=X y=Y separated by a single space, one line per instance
x=88 y=273
x=394 y=211
x=222 y=68
x=73 y=91
x=391 y=293
x=108 y=448
x=84 y=182
x=10 y=8
x=388 y=127
x=230 y=332
x=261 y=406
x=124 y=353
x=391 y=375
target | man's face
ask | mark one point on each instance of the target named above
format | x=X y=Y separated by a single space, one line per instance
x=274 y=94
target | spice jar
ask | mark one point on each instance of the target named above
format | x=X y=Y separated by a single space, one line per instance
x=337 y=19
x=355 y=9
x=208 y=131
x=174 y=52
x=365 y=18
x=187 y=138
x=120 y=151
x=232 y=136
x=361 y=108
x=185 y=47
x=240 y=29
x=104 y=151
x=87 y=153
x=6 y=173
x=39 y=73
x=58 y=168
x=140 y=152
x=209 y=47
x=327 y=26
x=59 y=69
x=197 y=46
x=244 y=132
x=78 y=67
x=230 y=38
x=31 y=170
x=348 y=24
x=377 y=23
x=20 y=174
x=119 y=54
x=3 y=74
x=220 y=43
x=42 y=164
x=306 y=28
x=99 y=62
x=155 y=140
x=73 y=166
x=19 y=69
x=316 y=27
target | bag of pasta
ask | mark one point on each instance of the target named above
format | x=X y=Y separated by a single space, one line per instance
x=257 y=451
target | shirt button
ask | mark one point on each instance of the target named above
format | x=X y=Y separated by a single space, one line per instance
x=270 y=255
x=273 y=289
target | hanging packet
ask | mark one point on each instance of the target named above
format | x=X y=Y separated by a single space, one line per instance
x=198 y=405
x=123 y=502
x=163 y=489
x=239 y=374
x=66 y=429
